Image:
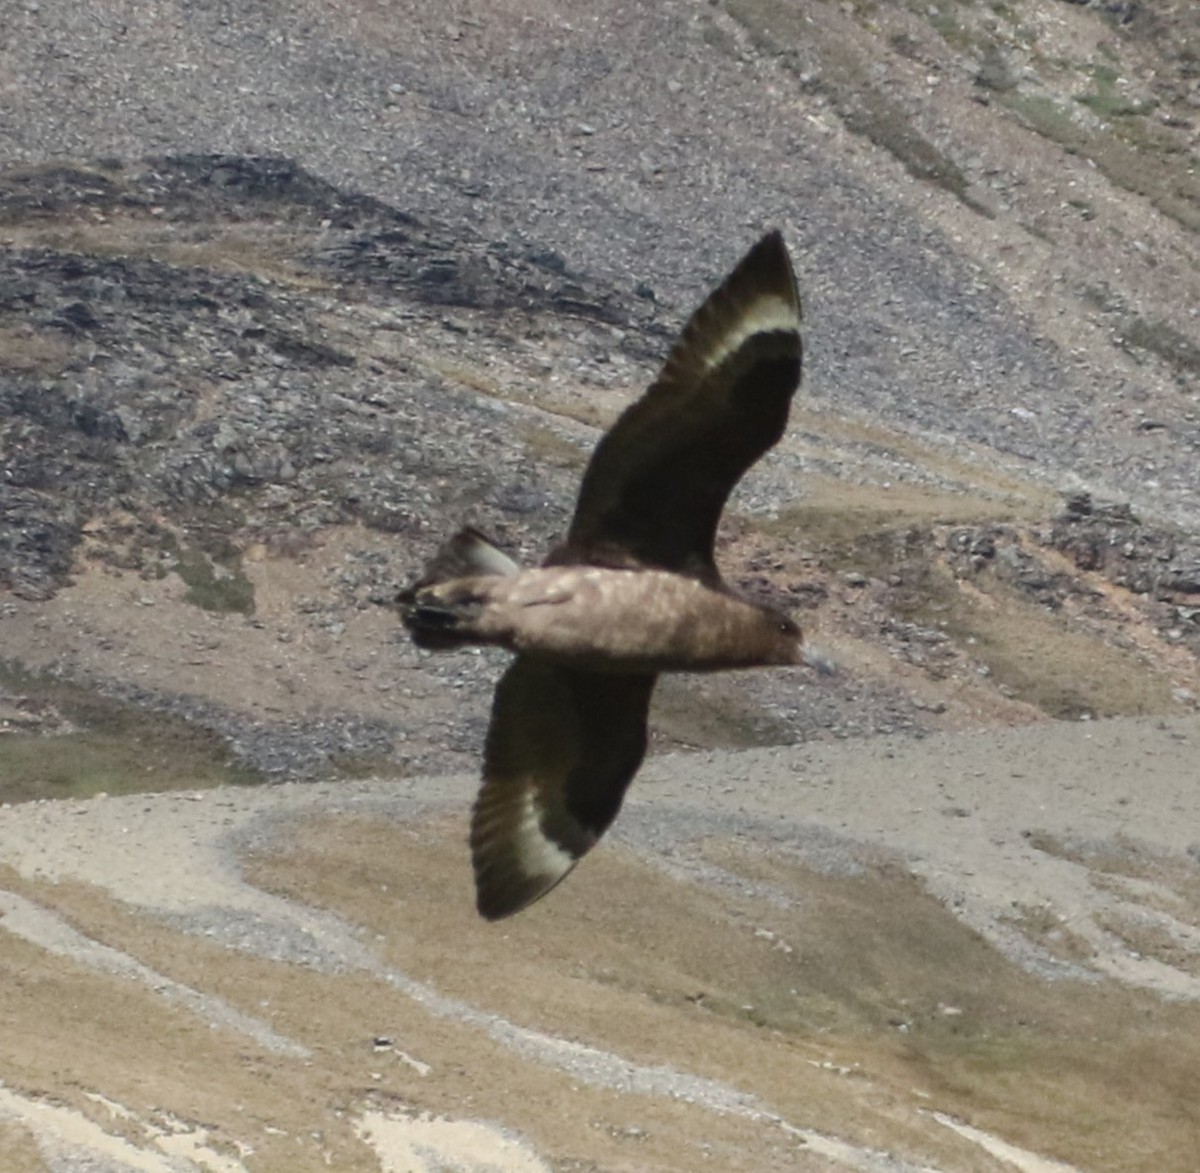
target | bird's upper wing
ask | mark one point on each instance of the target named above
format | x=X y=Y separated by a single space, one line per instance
x=655 y=487
x=561 y=749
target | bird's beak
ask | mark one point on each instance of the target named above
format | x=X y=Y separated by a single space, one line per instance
x=819 y=659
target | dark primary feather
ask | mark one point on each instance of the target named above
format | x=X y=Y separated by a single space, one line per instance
x=561 y=749
x=655 y=487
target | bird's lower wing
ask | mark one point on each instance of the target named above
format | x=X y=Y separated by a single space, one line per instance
x=562 y=747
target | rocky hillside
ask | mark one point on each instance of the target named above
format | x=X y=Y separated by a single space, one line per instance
x=254 y=402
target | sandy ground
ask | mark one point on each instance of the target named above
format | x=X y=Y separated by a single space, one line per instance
x=967 y=952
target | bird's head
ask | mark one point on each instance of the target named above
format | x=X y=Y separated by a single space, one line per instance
x=786 y=644
x=783 y=638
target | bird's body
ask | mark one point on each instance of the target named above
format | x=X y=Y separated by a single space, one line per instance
x=613 y=620
x=633 y=590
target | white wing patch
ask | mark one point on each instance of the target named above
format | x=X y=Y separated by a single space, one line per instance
x=515 y=861
x=536 y=854
x=768 y=314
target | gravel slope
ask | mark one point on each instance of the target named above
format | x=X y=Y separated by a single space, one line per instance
x=644 y=143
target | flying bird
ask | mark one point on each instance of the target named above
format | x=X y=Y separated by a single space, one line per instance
x=633 y=590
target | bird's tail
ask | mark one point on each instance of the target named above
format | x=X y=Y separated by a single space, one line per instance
x=466 y=555
x=440 y=608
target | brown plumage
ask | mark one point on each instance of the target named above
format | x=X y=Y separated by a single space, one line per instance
x=631 y=592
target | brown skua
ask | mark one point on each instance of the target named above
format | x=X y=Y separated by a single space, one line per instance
x=633 y=590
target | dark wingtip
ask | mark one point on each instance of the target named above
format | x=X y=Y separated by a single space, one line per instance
x=768 y=265
x=502 y=889
x=753 y=316
x=494 y=903
x=771 y=242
